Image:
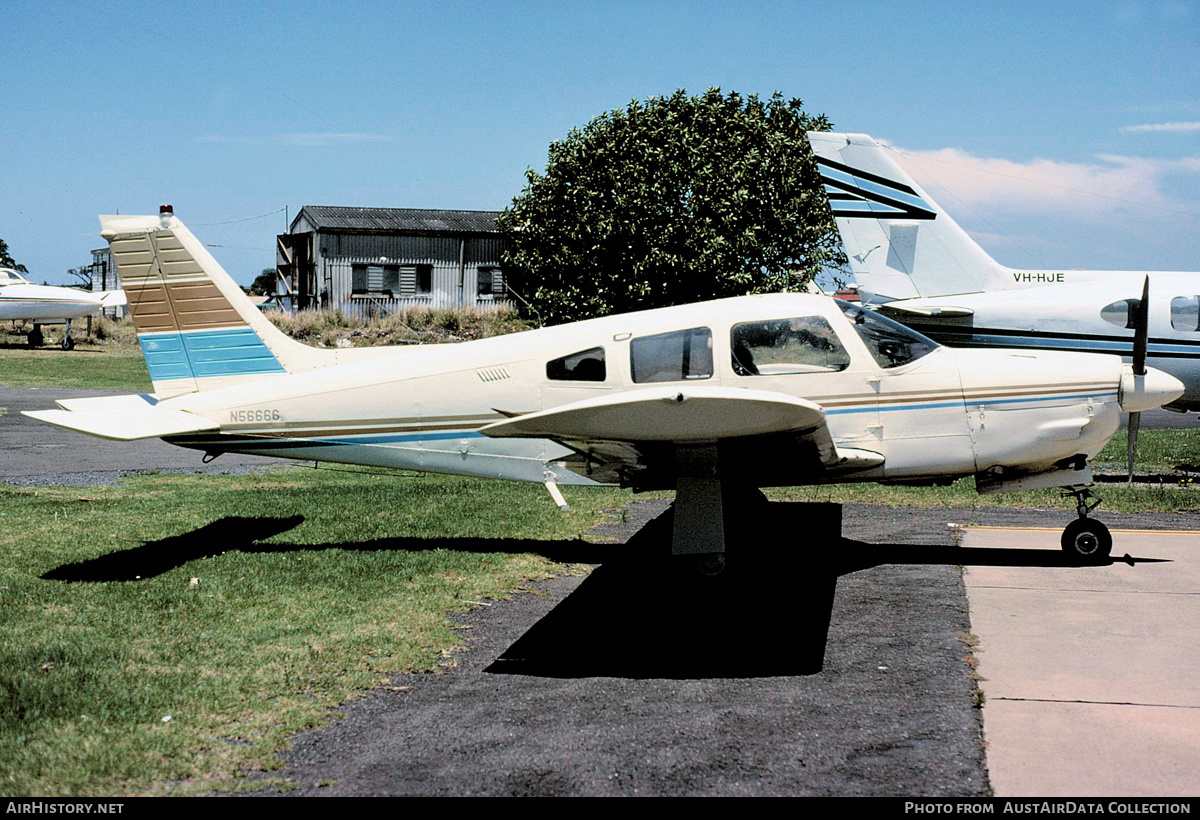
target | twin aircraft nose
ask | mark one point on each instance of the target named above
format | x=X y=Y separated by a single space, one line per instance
x=1154 y=389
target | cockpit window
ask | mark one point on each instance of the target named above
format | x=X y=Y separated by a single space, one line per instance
x=8 y=276
x=1119 y=313
x=675 y=356
x=783 y=346
x=891 y=343
x=584 y=366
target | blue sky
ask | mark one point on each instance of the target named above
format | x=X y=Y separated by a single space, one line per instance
x=1058 y=134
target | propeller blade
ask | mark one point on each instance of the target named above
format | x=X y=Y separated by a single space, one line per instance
x=1135 y=422
x=1141 y=330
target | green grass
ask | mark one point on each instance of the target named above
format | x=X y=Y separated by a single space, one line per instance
x=1158 y=451
x=1176 y=496
x=84 y=367
x=309 y=587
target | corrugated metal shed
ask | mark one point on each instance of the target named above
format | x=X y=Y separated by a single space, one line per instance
x=332 y=219
x=372 y=260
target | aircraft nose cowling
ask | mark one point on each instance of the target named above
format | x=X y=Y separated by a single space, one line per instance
x=1154 y=389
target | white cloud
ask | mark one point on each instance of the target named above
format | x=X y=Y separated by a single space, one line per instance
x=1179 y=127
x=1109 y=184
x=303 y=138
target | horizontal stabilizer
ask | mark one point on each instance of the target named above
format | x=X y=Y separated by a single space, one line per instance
x=131 y=401
x=688 y=414
x=112 y=298
x=123 y=418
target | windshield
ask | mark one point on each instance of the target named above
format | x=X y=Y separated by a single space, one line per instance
x=8 y=276
x=891 y=343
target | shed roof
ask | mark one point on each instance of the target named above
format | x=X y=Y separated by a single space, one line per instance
x=397 y=220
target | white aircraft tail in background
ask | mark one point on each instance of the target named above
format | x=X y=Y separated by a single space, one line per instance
x=910 y=260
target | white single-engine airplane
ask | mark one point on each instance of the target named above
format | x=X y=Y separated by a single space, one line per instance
x=21 y=300
x=713 y=400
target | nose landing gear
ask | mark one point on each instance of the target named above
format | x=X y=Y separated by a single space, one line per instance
x=1086 y=538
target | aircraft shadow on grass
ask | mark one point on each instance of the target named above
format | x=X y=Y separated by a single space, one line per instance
x=243 y=534
x=640 y=614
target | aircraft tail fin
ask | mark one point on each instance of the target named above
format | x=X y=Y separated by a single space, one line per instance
x=197 y=329
x=900 y=244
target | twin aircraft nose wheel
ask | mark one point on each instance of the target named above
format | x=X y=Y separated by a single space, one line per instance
x=1086 y=538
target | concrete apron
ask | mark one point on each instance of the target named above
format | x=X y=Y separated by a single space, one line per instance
x=1091 y=674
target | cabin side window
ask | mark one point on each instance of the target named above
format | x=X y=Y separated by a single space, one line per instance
x=1185 y=313
x=676 y=356
x=782 y=346
x=584 y=366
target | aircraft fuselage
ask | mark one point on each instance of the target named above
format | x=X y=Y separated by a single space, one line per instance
x=943 y=413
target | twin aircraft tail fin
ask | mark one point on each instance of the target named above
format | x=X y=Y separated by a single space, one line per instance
x=900 y=244
x=197 y=329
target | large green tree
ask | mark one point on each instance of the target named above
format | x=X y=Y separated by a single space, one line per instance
x=673 y=200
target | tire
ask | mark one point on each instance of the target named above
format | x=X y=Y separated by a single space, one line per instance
x=1088 y=539
x=68 y=343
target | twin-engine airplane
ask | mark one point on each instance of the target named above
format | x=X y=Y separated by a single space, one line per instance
x=713 y=400
x=913 y=263
x=45 y=304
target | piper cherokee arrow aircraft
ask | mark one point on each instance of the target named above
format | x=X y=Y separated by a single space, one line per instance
x=911 y=261
x=43 y=304
x=714 y=400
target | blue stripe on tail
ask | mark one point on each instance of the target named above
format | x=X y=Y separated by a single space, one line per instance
x=205 y=353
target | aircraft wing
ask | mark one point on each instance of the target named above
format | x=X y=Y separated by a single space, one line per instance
x=759 y=431
x=122 y=418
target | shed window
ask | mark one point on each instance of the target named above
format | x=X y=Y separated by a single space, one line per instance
x=375 y=280
x=584 y=366
x=1185 y=313
x=669 y=357
x=781 y=346
x=491 y=283
x=416 y=280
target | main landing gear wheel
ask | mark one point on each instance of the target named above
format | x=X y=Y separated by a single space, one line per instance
x=68 y=343
x=1087 y=538
x=710 y=565
x=35 y=337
